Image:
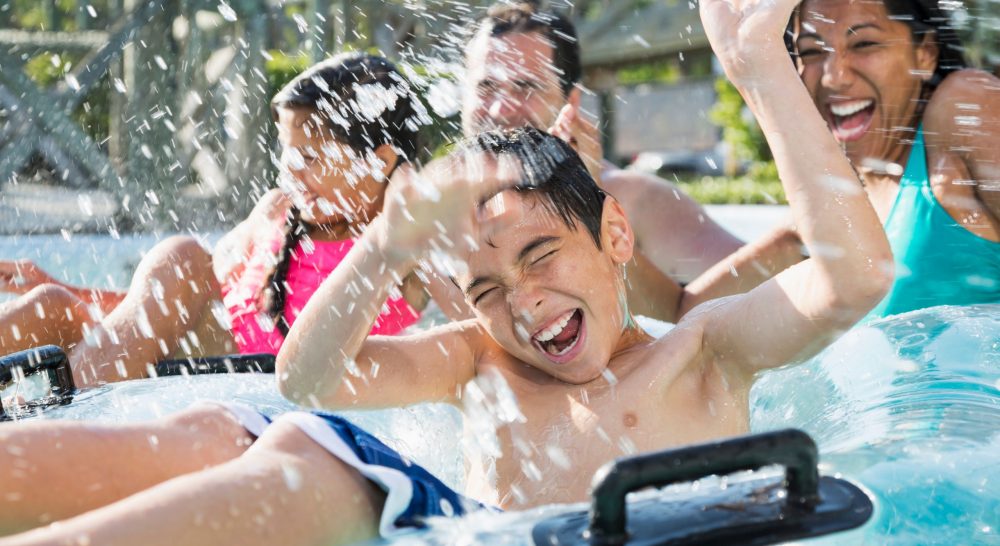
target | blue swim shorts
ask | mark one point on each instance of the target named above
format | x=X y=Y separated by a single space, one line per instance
x=412 y=493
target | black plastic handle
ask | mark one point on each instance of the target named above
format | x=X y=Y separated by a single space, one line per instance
x=48 y=358
x=248 y=363
x=790 y=448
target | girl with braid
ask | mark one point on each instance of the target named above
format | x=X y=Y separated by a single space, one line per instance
x=345 y=126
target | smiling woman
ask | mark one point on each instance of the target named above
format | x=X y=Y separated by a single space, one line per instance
x=922 y=130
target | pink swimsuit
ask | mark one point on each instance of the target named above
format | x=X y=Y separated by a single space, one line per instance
x=311 y=263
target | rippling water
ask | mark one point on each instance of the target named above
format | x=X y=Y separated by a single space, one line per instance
x=908 y=407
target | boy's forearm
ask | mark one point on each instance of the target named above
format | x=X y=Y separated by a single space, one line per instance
x=331 y=330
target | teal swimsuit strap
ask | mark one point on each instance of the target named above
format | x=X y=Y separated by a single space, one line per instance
x=916 y=165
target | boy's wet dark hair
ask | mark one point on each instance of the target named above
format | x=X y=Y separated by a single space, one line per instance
x=925 y=18
x=364 y=103
x=522 y=17
x=552 y=171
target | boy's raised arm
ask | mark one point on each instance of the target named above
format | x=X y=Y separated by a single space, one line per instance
x=328 y=358
x=805 y=307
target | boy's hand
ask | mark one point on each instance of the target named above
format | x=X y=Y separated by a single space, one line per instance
x=20 y=276
x=582 y=136
x=439 y=208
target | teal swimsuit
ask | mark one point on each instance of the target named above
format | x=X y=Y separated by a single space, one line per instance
x=938 y=262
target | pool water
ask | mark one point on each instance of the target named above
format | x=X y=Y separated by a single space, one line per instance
x=908 y=407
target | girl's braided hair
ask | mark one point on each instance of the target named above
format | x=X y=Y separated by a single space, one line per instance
x=364 y=103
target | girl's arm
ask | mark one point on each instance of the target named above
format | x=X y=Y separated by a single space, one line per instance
x=232 y=250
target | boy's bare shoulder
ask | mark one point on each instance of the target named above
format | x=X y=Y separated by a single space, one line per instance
x=682 y=358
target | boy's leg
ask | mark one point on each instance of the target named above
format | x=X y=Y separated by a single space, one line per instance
x=170 y=296
x=58 y=469
x=47 y=315
x=285 y=489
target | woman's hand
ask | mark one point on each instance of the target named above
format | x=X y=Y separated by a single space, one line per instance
x=748 y=36
x=20 y=276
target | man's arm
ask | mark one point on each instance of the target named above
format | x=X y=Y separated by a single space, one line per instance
x=672 y=230
x=805 y=307
x=653 y=294
x=745 y=269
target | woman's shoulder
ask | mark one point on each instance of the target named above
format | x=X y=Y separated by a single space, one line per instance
x=966 y=98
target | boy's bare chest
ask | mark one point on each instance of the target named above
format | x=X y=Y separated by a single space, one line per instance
x=567 y=434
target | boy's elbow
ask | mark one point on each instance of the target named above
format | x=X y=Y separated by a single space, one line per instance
x=863 y=291
x=290 y=383
x=286 y=386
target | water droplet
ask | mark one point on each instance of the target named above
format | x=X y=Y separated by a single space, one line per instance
x=558 y=457
x=86 y=204
x=227 y=12
x=300 y=22
x=968 y=121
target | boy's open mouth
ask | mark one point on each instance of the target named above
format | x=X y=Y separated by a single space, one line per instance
x=849 y=120
x=561 y=336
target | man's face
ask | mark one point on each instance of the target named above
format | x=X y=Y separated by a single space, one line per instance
x=510 y=83
x=546 y=293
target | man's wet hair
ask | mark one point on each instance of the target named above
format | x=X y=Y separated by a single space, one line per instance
x=521 y=17
x=551 y=170
x=925 y=19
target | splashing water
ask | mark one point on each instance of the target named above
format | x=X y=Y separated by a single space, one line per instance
x=227 y=12
x=907 y=407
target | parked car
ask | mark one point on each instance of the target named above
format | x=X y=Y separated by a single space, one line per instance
x=683 y=163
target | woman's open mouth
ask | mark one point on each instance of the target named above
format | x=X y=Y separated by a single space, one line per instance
x=849 y=120
x=561 y=340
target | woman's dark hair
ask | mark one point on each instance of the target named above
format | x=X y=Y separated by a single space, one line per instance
x=364 y=103
x=552 y=171
x=923 y=17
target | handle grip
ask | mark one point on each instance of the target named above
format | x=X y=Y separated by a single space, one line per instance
x=791 y=448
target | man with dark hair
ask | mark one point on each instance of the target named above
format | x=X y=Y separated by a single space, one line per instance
x=539 y=43
x=522 y=69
